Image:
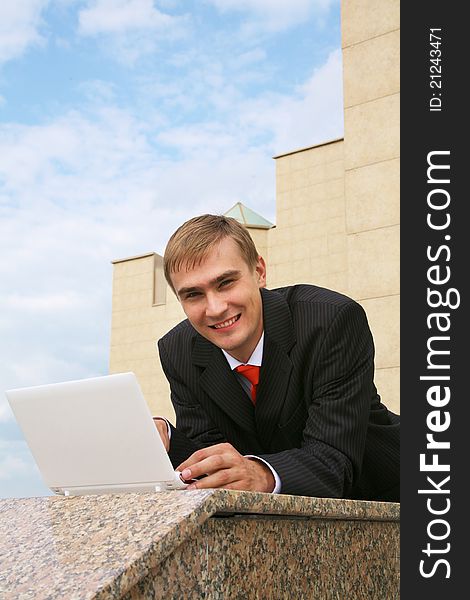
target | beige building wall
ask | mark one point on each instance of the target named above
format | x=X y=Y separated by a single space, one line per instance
x=308 y=244
x=337 y=221
x=371 y=74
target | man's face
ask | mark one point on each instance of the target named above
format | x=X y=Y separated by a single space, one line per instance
x=221 y=299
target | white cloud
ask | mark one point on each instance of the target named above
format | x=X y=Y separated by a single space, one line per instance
x=130 y=29
x=19 y=474
x=246 y=59
x=98 y=91
x=316 y=116
x=274 y=15
x=19 y=26
x=12 y=466
x=118 y=16
x=271 y=122
x=312 y=115
x=5 y=410
x=49 y=302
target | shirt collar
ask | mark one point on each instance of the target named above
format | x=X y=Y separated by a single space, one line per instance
x=255 y=359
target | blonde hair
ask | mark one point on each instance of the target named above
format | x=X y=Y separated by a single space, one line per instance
x=192 y=241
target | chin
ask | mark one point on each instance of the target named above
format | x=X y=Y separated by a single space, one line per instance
x=228 y=347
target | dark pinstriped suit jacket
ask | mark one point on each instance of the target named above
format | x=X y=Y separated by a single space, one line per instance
x=318 y=418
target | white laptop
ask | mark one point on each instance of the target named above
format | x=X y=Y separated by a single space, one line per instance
x=94 y=436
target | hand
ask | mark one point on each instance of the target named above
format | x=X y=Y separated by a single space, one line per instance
x=162 y=427
x=226 y=468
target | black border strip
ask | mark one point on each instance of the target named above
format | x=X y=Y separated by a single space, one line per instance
x=433 y=120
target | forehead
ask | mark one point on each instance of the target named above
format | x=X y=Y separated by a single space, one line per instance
x=224 y=256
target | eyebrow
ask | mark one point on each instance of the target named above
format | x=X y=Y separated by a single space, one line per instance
x=218 y=279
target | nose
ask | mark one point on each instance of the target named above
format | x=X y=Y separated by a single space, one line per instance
x=216 y=306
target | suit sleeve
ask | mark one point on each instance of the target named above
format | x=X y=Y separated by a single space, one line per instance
x=194 y=429
x=328 y=461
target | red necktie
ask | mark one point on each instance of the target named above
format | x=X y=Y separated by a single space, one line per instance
x=252 y=374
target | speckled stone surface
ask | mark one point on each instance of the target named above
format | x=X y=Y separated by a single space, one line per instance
x=268 y=557
x=202 y=544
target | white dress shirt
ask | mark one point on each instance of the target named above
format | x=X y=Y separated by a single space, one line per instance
x=256 y=360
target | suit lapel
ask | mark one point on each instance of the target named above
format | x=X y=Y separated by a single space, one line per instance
x=277 y=366
x=221 y=385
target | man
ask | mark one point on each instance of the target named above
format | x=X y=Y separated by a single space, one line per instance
x=309 y=420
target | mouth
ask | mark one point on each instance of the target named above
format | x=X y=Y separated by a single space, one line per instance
x=226 y=324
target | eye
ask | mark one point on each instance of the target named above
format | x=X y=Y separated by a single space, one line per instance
x=190 y=295
x=225 y=282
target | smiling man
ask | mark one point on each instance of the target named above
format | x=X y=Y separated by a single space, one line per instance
x=273 y=390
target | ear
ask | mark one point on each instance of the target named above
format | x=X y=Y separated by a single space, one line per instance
x=260 y=271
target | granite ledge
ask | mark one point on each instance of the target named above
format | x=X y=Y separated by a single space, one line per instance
x=97 y=547
x=224 y=501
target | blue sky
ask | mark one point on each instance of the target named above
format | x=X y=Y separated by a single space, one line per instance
x=119 y=119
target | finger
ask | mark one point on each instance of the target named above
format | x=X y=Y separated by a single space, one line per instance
x=239 y=483
x=224 y=478
x=244 y=475
x=210 y=465
x=203 y=453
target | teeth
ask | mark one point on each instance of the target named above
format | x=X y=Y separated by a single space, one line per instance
x=226 y=323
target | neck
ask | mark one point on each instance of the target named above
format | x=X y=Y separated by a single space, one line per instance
x=240 y=357
x=245 y=355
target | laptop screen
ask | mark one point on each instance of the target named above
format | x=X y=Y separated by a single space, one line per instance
x=92 y=433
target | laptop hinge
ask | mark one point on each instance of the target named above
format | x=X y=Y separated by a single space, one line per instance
x=131 y=488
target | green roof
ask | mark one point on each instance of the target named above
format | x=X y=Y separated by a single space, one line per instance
x=248 y=217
